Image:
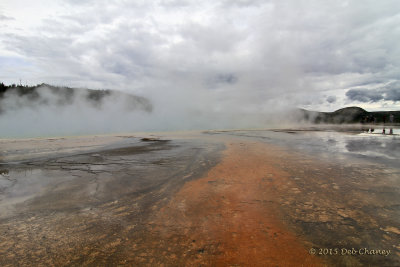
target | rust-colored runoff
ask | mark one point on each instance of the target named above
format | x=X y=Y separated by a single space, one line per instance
x=231 y=217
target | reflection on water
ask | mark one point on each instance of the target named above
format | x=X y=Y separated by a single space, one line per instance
x=379 y=147
x=331 y=143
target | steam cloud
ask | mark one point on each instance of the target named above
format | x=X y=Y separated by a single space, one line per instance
x=202 y=64
x=48 y=110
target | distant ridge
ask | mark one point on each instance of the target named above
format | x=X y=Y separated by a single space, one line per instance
x=46 y=94
x=348 y=115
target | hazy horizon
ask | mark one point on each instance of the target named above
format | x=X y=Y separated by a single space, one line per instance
x=208 y=64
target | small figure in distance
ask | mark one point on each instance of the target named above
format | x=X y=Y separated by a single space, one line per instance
x=391 y=119
x=384 y=121
x=372 y=120
x=367 y=119
x=363 y=122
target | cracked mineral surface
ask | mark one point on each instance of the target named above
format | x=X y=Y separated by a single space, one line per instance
x=217 y=198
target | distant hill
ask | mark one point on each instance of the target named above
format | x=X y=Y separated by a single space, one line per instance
x=17 y=96
x=348 y=115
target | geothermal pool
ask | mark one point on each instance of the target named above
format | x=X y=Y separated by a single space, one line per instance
x=313 y=196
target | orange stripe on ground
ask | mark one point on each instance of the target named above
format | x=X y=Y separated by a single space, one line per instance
x=231 y=217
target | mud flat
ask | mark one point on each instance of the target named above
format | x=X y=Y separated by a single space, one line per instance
x=231 y=198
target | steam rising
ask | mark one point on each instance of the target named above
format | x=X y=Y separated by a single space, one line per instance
x=47 y=110
x=201 y=64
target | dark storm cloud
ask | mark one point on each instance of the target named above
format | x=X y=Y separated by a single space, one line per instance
x=331 y=99
x=390 y=92
x=363 y=95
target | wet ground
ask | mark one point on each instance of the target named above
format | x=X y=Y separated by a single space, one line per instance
x=293 y=197
x=342 y=192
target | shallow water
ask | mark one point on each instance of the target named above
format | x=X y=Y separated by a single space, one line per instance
x=331 y=144
x=346 y=186
x=334 y=188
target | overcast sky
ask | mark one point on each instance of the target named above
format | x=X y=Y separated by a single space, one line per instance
x=242 y=56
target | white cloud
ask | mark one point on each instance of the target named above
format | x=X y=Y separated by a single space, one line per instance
x=231 y=57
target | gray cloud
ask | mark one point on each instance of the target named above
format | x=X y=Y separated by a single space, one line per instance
x=280 y=42
x=3 y=17
x=255 y=55
x=391 y=92
x=331 y=99
x=363 y=95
